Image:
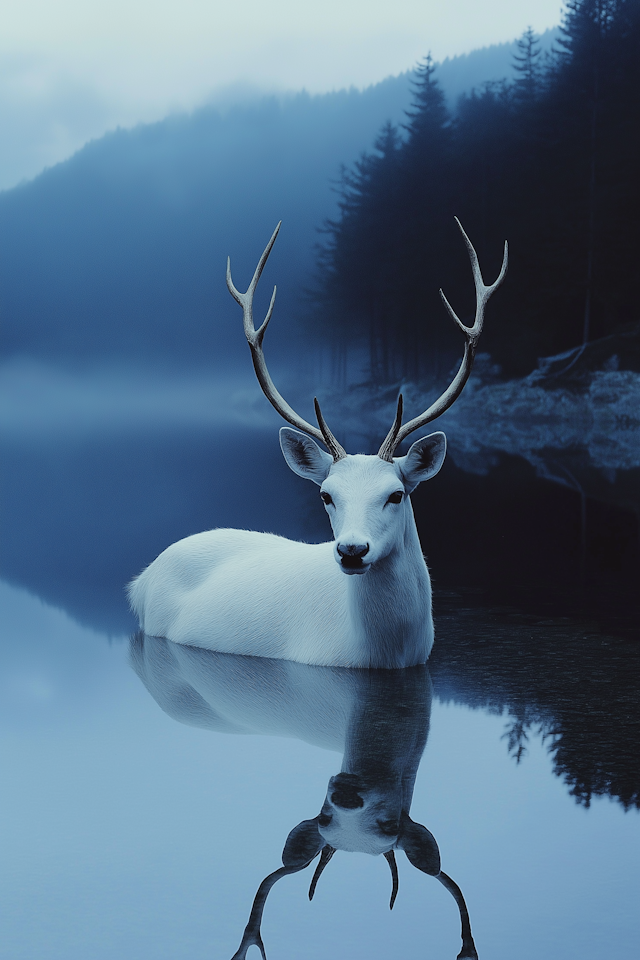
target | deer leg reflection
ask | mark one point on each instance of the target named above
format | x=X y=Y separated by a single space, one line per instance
x=468 y=951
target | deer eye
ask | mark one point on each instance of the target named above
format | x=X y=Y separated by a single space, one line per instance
x=396 y=497
x=324 y=496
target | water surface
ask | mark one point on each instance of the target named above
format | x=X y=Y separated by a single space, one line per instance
x=140 y=825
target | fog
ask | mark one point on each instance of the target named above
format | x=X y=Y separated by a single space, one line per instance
x=120 y=252
x=38 y=399
x=117 y=256
x=48 y=111
x=71 y=71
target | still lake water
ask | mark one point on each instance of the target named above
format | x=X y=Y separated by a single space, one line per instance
x=149 y=790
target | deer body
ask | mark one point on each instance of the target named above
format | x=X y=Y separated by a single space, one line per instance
x=303 y=606
x=363 y=600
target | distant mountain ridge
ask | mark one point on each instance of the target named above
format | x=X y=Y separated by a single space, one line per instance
x=118 y=253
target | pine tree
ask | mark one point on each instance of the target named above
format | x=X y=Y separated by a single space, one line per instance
x=585 y=28
x=528 y=66
x=550 y=161
x=585 y=24
x=358 y=263
x=428 y=116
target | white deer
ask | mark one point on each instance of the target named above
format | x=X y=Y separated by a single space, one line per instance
x=378 y=719
x=363 y=600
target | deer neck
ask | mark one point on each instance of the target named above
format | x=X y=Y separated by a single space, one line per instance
x=395 y=706
x=390 y=606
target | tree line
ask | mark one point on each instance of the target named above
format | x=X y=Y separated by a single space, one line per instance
x=550 y=160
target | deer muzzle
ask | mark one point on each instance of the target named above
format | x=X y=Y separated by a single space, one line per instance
x=344 y=791
x=352 y=557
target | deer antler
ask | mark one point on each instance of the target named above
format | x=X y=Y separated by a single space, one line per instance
x=251 y=936
x=468 y=951
x=398 y=433
x=254 y=339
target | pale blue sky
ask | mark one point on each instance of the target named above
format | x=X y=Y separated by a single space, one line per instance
x=71 y=69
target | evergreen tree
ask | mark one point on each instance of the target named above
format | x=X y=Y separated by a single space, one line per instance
x=424 y=205
x=550 y=161
x=358 y=262
x=528 y=66
x=584 y=101
x=428 y=115
x=584 y=26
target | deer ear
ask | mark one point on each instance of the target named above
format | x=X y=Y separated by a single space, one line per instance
x=419 y=845
x=424 y=459
x=303 y=844
x=304 y=456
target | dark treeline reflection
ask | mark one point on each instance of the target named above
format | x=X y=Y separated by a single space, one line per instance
x=556 y=678
x=378 y=719
x=84 y=514
x=548 y=161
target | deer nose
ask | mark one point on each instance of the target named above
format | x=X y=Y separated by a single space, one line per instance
x=346 y=796
x=355 y=550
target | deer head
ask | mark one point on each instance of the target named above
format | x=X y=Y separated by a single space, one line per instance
x=366 y=497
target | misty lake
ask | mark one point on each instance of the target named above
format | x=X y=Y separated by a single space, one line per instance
x=151 y=788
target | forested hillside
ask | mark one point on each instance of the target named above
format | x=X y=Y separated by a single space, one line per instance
x=550 y=161
x=118 y=254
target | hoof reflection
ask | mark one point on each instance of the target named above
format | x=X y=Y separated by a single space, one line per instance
x=378 y=718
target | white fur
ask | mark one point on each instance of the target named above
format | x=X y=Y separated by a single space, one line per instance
x=237 y=591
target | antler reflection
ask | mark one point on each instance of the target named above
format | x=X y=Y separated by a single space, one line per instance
x=327 y=852
x=417 y=842
x=251 y=936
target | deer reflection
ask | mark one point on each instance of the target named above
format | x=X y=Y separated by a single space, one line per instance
x=379 y=718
